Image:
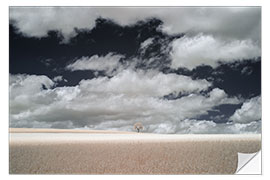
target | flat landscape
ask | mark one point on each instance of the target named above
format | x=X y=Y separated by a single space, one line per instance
x=43 y=151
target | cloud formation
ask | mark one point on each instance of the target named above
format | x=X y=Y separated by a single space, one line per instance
x=146 y=43
x=211 y=34
x=115 y=103
x=141 y=83
x=206 y=127
x=249 y=112
x=226 y=22
x=190 y=52
x=107 y=63
x=138 y=75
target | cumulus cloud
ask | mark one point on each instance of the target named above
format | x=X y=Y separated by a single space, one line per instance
x=187 y=126
x=22 y=87
x=249 y=112
x=140 y=83
x=107 y=63
x=211 y=34
x=227 y=22
x=129 y=95
x=113 y=103
x=190 y=52
x=192 y=126
x=28 y=84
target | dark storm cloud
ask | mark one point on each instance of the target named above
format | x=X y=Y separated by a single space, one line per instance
x=104 y=70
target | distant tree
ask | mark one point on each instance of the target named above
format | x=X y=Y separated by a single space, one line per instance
x=138 y=126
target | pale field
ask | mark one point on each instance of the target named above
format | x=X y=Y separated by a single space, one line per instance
x=29 y=130
x=67 y=152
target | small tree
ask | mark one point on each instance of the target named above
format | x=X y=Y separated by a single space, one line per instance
x=138 y=126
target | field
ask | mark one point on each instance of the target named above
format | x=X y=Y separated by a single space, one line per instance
x=104 y=152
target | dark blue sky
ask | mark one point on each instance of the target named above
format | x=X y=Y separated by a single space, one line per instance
x=108 y=49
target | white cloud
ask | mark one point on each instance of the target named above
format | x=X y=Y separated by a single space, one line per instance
x=28 y=84
x=115 y=103
x=229 y=33
x=187 y=126
x=212 y=35
x=107 y=63
x=146 y=43
x=190 y=52
x=227 y=22
x=210 y=127
x=23 y=88
x=195 y=104
x=250 y=111
x=58 y=78
x=140 y=83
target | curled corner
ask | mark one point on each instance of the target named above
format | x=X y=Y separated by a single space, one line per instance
x=249 y=163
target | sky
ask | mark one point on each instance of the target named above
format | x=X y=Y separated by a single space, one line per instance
x=183 y=70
